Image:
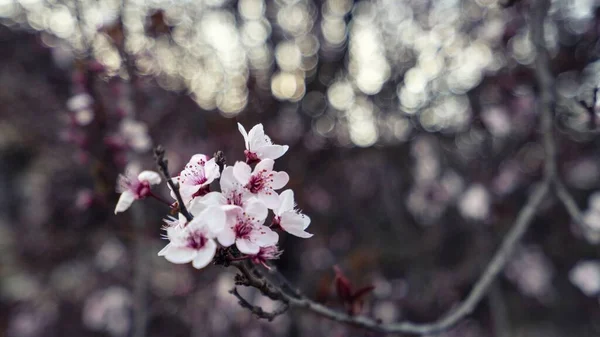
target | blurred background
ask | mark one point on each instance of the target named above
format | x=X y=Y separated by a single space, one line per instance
x=413 y=144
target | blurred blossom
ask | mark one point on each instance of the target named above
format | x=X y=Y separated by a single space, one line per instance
x=586 y=276
x=508 y=178
x=496 y=121
x=109 y=310
x=475 y=203
x=532 y=272
x=31 y=322
x=111 y=254
x=584 y=173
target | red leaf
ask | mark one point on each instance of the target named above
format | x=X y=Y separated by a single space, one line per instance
x=342 y=286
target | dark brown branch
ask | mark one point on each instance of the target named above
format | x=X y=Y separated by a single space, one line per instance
x=163 y=166
x=258 y=311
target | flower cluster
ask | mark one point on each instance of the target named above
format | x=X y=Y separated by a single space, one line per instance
x=235 y=218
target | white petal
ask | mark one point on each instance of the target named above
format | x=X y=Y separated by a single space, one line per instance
x=214 y=217
x=255 y=208
x=256 y=137
x=271 y=151
x=153 y=178
x=265 y=164
x=226 y=237
x=211 y=198
x=280 y=179
x=242 y=172
x=299 y=233
x=205 y=255
x=264 y=236
x=269 y=197
x=179 y=254
x=228 y=181
x=247 y=247
x=295 y=224
x=286 y=202
x=164 y=250
x=125 y=201
x=211 y=171
x=244 y=134
x=198 y=158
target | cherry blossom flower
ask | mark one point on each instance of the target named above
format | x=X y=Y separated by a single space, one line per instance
x=259 y=146
x=193 y=241
x=232 y=191
x=266 y=253
x=196 y=177
x=262 y=182
x=289 y=218
x=134 y=188
x=245 y=228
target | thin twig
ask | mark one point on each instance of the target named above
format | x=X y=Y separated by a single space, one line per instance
x=569 y=202
x=258 y=311
x=163 y=166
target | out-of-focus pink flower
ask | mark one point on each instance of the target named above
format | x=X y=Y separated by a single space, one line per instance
x=134 y=188
x=266 y=253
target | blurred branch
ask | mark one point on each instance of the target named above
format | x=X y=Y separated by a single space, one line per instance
x=258 y=311
x=140 y=278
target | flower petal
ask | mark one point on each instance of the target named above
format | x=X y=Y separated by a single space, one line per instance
x=214 y=217
x=265 y=164
x=226 y=237
x=244 y=134
x=179 y=255
x=242 y=172
x=257 y=137
x=125 y=201
x=280 y=179
x=269 y=197
x=286 y=204
x=246 y=246
x=264 y=236
x=205 y=255
x=256 y=209
x=228 y=181
x=271 y=151
x=211 y=171
x=153 y=178
x=295 y=224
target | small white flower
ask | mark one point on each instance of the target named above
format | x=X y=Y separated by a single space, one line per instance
x=134 y=188
x=289 y=218
x=259 y=146
x=262 y=182
x=196 y=177
x=245 y=228
x=193 y=241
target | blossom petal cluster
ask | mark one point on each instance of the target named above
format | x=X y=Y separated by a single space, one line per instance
x=238 y=209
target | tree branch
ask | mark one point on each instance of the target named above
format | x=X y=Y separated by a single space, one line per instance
x=258 y=311
x=163 y=166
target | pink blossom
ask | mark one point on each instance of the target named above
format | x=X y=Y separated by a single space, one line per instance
x=134 y=188
x=262 y=182
x=244 y=227
x=196 y=177
x=289 y=218
x=193 y=241
x=232 y=191
x=259 y=146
